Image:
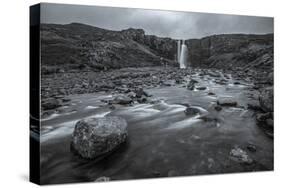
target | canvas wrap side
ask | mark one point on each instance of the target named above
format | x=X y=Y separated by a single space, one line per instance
x=34 y=95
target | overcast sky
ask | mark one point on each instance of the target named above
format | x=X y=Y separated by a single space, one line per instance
x=178 y=25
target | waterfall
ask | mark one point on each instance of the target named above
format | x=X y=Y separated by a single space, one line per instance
x=183 y=56
x=179 y=51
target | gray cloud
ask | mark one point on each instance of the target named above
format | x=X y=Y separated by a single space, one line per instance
x=172 y=24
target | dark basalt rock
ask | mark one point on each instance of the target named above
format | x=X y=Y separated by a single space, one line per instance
x=252 y=148
x=236 y=83
x=50 y=104
x=191 y=111
x=143 y=99
x=265 y=121
x=211 y=93
x=269 y=123
x=140 y=92
x=95 y=137
x=167 y=83
x=261 y=117
x=121 y=99
x=241 y=156
x=65 y=100
x=254 y=106
x=226 y=101
x=201 y=88
x=102 y=179
x=266 y=99
x=132 y=95
x=191 y=84
x=218 y=108
x=214 y=74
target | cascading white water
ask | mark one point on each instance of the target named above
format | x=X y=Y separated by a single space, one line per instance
x=179 y=51
x=183 y=56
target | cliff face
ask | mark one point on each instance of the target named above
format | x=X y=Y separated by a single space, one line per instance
x=164 y=47
x=231 y=51
x=82 y=47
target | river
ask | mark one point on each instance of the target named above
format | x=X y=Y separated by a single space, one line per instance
x=163 y=141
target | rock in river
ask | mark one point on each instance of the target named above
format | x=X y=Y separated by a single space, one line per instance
x=102 y=179
x=95 y=137
x=241 y=156
x=252 y=147
x=50 y=104
x=191 y=111
x=140 y=92
x=131 y=94
x=211 y=93
x=218 y=108
x=121 y=99
x=226 y=101
x=191 y=84
x=265 y=120
x=266 y=99
x=201 y=88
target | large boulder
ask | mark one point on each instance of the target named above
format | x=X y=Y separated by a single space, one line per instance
x=266 y=99
x=94 y=137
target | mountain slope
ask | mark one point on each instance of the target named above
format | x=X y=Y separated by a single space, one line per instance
x=75 y=47
x=78 y=46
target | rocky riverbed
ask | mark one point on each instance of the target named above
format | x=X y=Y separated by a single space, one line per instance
x=179 y=122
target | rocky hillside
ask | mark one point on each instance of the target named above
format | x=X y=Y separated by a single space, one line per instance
x=82 y=47
x=230 y=51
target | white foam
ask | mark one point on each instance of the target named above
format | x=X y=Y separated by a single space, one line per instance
x=64 y=129
x=55 y=115
x=185 y=123
x=101 y=114
x=90 y=107
x=52 y=116
x=69 y=113
x=174 y=109
x=202 y=110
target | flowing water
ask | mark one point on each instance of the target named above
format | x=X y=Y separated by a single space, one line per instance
x=183 y=56
x=163 y=141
